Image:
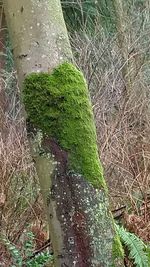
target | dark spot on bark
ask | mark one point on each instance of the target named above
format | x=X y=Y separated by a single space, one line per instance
x=41 y=153
x=34 y=161
x=22 y=56
x=51 y=195
x=60 y=256
x=21 y=9
x=13 y=14
x=38 y=65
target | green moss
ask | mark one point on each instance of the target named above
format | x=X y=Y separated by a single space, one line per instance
x=59 y=105
x=118 y=252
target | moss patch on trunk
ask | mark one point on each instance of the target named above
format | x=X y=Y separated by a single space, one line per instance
x=117 y=250
x=60 y=106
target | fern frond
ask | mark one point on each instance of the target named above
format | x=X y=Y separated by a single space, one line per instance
x=15 y=253
x=136 y=247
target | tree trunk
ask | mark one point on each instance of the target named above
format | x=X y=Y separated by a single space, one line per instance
x=130 y=66
x=3 y=100
x=62 y=135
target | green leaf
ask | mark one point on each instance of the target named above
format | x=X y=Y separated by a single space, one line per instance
x=136 y=247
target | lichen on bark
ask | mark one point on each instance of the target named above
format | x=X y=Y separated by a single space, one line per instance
x=59 y=105
x=81 y=226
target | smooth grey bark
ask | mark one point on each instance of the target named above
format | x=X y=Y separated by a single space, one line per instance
x=38 y=33
x=129 y=67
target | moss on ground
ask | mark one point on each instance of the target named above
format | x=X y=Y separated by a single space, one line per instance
x=59 y=105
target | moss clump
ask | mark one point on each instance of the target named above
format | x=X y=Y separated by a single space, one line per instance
x=117 y=250
x=59 y=105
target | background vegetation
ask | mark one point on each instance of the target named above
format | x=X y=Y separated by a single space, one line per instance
x=118 y=77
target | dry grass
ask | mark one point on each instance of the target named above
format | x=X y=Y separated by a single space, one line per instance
x=122 y=119
x=123 y=128
x=20 y=203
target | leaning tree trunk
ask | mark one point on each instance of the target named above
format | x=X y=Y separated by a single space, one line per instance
x=62 y=134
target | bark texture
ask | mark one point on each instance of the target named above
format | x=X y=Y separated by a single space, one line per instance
x=38 y=33
x=129 y=67
x=62 y=136
x=3 y=99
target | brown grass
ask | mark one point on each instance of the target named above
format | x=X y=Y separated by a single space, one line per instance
x=123 y=128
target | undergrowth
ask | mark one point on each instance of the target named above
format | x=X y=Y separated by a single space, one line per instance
x=25 y=256
x=139 y=252
x=135 y=249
